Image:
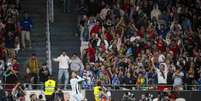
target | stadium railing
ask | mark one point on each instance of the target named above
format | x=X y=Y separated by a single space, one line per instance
x=117 y=87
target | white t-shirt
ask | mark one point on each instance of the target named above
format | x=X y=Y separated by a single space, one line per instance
x=155 y=13
x=63 y=61
x=161 y=58
x=161 y=79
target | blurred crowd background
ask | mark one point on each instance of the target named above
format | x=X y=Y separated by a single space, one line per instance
x=138 y=44
x=142 y=42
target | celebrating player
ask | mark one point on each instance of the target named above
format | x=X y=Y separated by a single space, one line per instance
x=75 y=87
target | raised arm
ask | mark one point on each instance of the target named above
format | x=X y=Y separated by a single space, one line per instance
x=152 y=62
x=79 y=79
x=56 y=59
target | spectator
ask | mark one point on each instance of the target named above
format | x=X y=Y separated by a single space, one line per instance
x=64 y=62
x=104 y=75
x=76 y=64
x=151 y=77
x=9 y=78
x=128 y=79
x=15 y=66
x=129 y=43
x=2 y=53
x=84 y=27
x=178 y=78
x=10 y=43
x=115 y=80
x=88 y=75
x=199 y=83
x=7 y=96
x=2 y=67
x=43 y=74
x=32 y=69
x=91 y=53
x=18 y=92
x=141 y=80
x=26 y=26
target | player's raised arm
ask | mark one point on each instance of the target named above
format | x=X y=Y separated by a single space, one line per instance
x=79 y=79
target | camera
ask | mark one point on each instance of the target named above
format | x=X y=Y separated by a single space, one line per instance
x=128 y=96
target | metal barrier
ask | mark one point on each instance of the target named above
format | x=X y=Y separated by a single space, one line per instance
x=119 y=95
x=121 y=87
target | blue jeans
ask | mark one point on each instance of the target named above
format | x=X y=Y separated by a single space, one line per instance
x=66 y=76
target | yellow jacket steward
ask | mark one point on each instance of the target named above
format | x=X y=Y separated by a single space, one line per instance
x=97 y=91
x=50 y=86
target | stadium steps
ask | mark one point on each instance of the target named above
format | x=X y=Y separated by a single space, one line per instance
x=63 y=34
x=37 y=10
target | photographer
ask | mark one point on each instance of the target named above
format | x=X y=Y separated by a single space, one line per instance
x=128 y=96
x=18 y=92
x=33 y=97
x=105 y=95
x=59 y=95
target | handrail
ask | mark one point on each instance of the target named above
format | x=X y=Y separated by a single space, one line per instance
x=110 y=85
x=49 y=61
x=130 y=87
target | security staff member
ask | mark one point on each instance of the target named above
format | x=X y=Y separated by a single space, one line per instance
x=49 y=89
x=97 y=91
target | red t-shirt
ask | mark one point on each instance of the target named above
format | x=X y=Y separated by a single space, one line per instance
x=150 y=34
x=160 y=45
x=95 y=29
x=102 y=46
x=174 y=49
x=141 y=34
x=126 y=7
x=109 y=37
x=16 y=67
x=91 y=53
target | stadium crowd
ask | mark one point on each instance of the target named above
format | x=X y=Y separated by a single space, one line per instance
x=130 y=42
x=142 y=42
x=9 y=37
